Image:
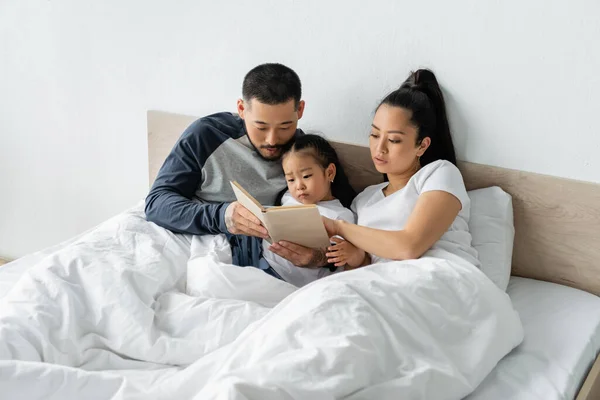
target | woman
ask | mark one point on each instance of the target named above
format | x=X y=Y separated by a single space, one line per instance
x=423 y=207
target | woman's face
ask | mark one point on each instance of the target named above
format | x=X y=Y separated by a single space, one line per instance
x=393 y=141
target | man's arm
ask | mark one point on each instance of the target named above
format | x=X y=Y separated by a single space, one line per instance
x=169 y=203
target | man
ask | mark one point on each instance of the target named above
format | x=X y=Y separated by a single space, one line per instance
x=192 y=193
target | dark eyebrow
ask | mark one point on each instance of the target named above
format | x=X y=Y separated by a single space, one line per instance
x=281 y=123
x=400 y=132
x=302 y=170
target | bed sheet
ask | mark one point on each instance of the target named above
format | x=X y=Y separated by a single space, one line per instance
x=562 y=339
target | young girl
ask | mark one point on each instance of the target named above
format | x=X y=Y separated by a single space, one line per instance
x=311 y=168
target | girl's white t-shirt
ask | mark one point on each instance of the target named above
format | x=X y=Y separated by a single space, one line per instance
x=375 y=210
x=299 y=276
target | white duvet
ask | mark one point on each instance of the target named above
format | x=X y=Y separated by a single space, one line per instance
x=132 y=311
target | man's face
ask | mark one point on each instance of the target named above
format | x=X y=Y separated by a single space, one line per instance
x=270 y=127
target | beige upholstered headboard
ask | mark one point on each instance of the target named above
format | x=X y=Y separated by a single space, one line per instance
x=557 y=221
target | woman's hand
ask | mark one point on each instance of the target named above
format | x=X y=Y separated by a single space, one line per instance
x=300 y=256
x=345 y=253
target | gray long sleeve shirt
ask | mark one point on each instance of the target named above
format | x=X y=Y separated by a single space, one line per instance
x=192 y=189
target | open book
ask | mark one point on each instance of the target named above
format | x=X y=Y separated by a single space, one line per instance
x=296 y=224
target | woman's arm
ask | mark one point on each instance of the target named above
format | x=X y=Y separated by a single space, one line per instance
x=432 y=216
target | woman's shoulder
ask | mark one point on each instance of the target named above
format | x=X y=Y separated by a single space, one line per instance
x=438 y=170
x=439 y=165
x=442 y=175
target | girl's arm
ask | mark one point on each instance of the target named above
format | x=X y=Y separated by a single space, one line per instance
x=432 y=216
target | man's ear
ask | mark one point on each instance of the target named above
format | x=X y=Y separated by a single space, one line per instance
x=241 y=107
x=300 y=111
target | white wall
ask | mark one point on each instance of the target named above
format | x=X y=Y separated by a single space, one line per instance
x=76 y=78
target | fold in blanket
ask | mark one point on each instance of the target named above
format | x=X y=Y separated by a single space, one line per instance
x=108 y=317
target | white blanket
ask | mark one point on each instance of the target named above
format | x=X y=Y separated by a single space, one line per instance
x=108 y=317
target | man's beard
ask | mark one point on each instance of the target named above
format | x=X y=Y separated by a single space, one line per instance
x=274 y=158
x=281 y=147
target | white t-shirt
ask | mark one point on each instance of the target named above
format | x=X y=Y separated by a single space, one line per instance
x=298 y=276
x=391 y=213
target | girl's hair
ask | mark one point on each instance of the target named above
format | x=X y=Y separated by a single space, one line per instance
x=324 y=153
x=421 y=94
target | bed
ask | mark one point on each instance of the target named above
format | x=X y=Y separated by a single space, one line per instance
x=556 y=249
x=554 y=287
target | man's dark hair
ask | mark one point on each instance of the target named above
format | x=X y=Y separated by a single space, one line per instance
x=272 y=84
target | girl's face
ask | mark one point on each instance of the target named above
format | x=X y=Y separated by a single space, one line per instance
x=393 y=141
x=307 y=180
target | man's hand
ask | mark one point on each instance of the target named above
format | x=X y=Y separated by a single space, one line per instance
x=345 y=253
x=300 y=256
x=240 y=221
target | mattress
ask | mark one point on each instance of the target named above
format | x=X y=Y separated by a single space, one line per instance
x=562 y=339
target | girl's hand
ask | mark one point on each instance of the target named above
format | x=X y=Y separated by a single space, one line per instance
x=345 y=253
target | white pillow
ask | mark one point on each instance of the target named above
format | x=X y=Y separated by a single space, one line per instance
x=493 y=232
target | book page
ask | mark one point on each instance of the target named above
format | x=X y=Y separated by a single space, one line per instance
x=300 y=225
x=245 y=199
x=296 y=224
